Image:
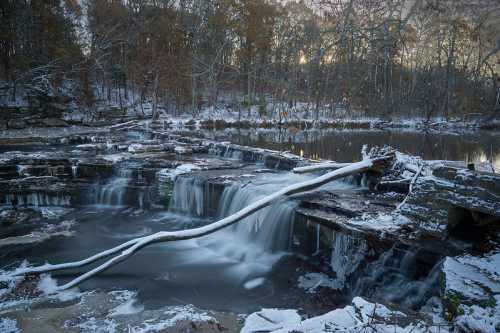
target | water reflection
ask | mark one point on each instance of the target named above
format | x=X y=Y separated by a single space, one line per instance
x=345 y=146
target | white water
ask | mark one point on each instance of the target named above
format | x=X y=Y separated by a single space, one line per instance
x=188 y=196
x=251 y=247
x=113 y=192
x=396 y=277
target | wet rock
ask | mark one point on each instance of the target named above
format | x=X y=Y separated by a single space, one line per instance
x=92 y=146
x=141 y=148
x=42 y=234
x=95 y=168
x=17 y=124
x=54 y=122
x=449 y=188
x=279 y=162
x=11 y=216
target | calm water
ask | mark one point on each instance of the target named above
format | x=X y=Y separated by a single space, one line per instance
x=345 y=146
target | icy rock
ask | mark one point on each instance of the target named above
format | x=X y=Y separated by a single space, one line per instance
x=450 y=189
x=8 y=325
x=92 y=146
x=141 y=148
x=45 y=233
x=480 y=319
x=270 y=320
x=183 y=150
x=471 y=281
x=11 y=216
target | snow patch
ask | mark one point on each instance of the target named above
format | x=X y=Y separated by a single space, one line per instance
x=311 y=281
x=129 y=303
x=178 y=314
x=93 y=325
x=270 y=320
x=478 y=319
x=8 y=325
x=254 y=283
x=48 y=286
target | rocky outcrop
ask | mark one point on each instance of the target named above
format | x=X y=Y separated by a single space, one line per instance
x=451 y=196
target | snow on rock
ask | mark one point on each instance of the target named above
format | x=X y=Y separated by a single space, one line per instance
x=48 y=286
x=92 y=146
x=115 y=158
x=174 y=316
x=183 y=150
x=312 y=281
x=94 y=325
x=270 y=320
x=184 y=168
x=141 y=148
x=129 y=303
x=45 y=233
x=480 y=319
x=9 y=280
x=360 y=316
x=471 y=291
x=8 y=325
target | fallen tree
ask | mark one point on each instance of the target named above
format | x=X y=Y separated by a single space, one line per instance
x=320 y=167
x=131 y=247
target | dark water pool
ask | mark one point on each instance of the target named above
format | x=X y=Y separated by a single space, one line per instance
x=345 y=146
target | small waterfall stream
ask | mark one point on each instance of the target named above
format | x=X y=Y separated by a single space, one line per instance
x=188 y=196
x=113 y=192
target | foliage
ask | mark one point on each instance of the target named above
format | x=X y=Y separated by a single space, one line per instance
x=393 y=58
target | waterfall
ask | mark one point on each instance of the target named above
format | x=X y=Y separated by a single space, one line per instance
x=253 y=245
x=249 y=248
x=267 y=230
x=113 y=192
x=399 y=276
x=188 y=196
x=233 y=154
x=74 y=171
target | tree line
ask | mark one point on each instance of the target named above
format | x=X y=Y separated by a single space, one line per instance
x=376 y=57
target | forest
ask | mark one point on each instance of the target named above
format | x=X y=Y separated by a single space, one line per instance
x=401 y=58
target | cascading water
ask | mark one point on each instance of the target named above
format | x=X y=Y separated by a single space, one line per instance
x=269 y=229
x=249 y=248
x=113 y=192
x=398 y=277
x=188 y=197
